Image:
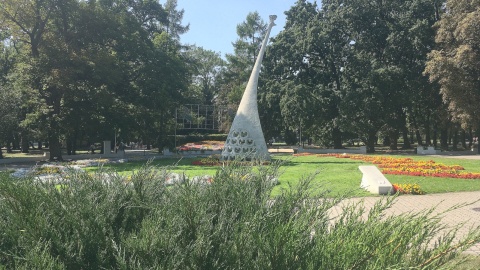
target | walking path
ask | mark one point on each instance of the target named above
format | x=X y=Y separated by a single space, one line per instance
x=468 y=213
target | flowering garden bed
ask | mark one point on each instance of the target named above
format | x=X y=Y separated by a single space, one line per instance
x=408 y=189
x=203 y=145
x=408 y=166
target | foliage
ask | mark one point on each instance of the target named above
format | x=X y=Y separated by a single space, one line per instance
x=89 y=69
x=197 y=138
x=454 y=61
x=207 y=67
x=173 y=27
x=240 y=64
x=353 y=67
x=102 y=221
x=302 y=74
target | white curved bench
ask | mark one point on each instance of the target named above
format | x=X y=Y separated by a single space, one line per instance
x=374 y=181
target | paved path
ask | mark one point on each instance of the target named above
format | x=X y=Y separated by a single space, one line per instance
x=469 y=213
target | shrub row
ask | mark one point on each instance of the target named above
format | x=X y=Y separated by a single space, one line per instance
x=196 y=137
x=104 y=221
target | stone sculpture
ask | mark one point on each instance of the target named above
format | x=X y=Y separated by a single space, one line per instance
x=245 y=140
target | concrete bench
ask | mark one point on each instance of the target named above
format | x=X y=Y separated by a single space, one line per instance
x=374 y=181
x=430 y=150
x=281 y=150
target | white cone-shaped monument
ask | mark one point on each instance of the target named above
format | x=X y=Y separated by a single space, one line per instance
x=245 y=140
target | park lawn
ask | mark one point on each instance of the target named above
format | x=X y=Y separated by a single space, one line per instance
x=336 y=175
x=18 y=154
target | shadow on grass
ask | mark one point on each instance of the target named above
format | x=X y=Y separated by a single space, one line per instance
x=186 y=163
x=319 y=162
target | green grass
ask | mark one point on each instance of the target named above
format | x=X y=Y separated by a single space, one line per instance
x=18 y=154
x=338 y=175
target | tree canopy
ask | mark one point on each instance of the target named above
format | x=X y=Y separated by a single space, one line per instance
x=75 y=72
x=453 y=64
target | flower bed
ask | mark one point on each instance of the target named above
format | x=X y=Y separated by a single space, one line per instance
x=207 y=162
x=204 y=145
x=408 y=166
x=408 y=189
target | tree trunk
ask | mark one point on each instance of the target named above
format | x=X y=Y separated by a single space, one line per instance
x=435 y=135
x=40 y=145
x=455 y=140
x=55 y=148
x=450 y=135
x=1 y=152
x=54 y=101
x=418 y=136
x=9 y=142
x=9 y=148
x=160 y=144
x=161 y=135
x=72 y=143
x=15 y=142
x=470 y=138
x=337 y=138
x=386 y=140
x=69 y=146
x=444 y=139
x=371 y=139
x=406 y=139
x=148 y=145
x=393 y=137
x=25 y=144
x=428 y=140
x=463 y=139
x=478 y=143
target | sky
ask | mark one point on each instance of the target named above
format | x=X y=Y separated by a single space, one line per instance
x=213 y=23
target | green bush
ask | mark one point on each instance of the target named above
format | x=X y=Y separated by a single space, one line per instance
x=107 y=221
x=197 y=137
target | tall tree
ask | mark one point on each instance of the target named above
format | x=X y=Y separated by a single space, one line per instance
x=84 y=72
x=27 y=21
x=250 y=33
x=9 y=99
x=206 y=67
x=294 y=75
x=382 y=33
x=173 y=26
x=454 y=62
x=239 y=65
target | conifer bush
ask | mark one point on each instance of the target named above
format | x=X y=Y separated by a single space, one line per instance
x=105 y=221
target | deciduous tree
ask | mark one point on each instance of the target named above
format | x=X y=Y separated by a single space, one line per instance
x=454 y=62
